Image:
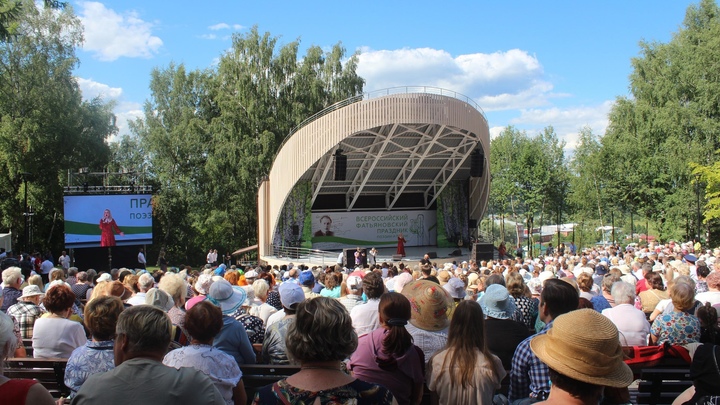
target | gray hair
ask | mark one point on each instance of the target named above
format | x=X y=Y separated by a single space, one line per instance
x=174 y=285
x=623 y=293
x=11 y=275
x=147 y=328
x=72 y=271
x=261 y=289
x=145 y=282
x=82 y=276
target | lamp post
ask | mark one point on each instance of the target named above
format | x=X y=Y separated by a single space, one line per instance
x=697 y=193
x=26 y=214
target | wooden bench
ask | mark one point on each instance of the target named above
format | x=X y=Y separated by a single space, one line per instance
x=661 y=385
x=48 y=372
x=260 y=375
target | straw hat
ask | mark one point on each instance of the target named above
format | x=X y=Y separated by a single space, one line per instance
x=584 y=345
x=430 y=304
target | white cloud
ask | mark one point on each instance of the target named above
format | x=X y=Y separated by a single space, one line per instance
x=510 y=83
x=126 y=112
x=225 y=26
x=567 y=122
x=111 y=35
x=91 y=89
x=208 y=36
x=497 y=81
x=220 y=26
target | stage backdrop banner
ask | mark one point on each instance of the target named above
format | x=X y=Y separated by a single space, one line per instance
x=132 y=214
x=335 y=230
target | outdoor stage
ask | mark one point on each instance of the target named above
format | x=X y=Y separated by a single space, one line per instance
x=413 y=256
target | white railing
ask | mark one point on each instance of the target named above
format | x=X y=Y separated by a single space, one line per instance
x=304 y=255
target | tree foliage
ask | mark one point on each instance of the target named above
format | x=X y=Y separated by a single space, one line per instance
x=210 y=136
x=45 y=127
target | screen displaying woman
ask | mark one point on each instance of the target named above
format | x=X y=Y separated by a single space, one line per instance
x=108 y=229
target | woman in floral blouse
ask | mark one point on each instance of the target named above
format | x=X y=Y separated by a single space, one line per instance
x=677 y=327
x=96 y=356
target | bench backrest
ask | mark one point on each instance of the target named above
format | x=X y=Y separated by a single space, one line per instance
x=48 y=372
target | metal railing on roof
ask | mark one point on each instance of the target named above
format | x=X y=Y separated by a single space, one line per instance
x=383 y=93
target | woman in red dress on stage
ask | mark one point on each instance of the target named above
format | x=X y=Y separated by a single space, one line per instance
x=401 y=245
x=108 y=228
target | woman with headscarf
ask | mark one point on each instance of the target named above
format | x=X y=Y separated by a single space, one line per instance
x=108 y=229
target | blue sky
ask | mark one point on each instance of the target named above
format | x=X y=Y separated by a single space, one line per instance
x=526 y=63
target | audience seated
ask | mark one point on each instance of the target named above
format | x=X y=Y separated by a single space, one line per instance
x=27 y=310
x=56 y=335
x=203 y=322
x=139 y=377
x=97 y=355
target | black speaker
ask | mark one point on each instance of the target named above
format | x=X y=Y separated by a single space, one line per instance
x=483 y=251
x=296 y=230
x=455 y=252
x=472 y=224
x=350 y=257
x=340 y=167
x=396 y=258
x=432 y=255
x=477 y=163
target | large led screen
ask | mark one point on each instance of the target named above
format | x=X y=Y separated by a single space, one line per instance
x=108 y=220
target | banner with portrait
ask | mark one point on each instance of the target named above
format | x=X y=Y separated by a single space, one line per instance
x=336 y=230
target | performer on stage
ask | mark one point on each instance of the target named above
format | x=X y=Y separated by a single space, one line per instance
x=401 y=245
x=108 y=228
x=359 y=257
x=372 y=257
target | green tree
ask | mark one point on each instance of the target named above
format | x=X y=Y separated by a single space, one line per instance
x=671 y=122
x=211 y=136
x=45 y=128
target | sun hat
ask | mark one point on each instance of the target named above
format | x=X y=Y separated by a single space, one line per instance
x=473 y=278
x=690 y=258
x=497 y=303
x=31 y=291
x=455 y=287
x=119 y=290
x=443 y=276
x=401 y=280
x=584 y=345
x=203 y=283
x=104 y=277
x=251 y=274
x=226 y=296
x=430 y=305
x=290 y=294
x=624 y=268
x=159 y=298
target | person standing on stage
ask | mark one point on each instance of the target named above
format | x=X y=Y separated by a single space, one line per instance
x=372 y=256
x=141 y=259
x=401 y=245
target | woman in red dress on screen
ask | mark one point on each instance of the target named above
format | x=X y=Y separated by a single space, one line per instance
x=401 y=245
x=108 y=228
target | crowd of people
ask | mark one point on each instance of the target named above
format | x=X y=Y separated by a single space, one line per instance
x=514 y=330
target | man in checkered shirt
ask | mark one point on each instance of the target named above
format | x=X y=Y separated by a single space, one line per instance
x=27 y=310
x=530 y=377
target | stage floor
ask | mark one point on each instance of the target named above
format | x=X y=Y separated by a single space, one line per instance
x=412 y=256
